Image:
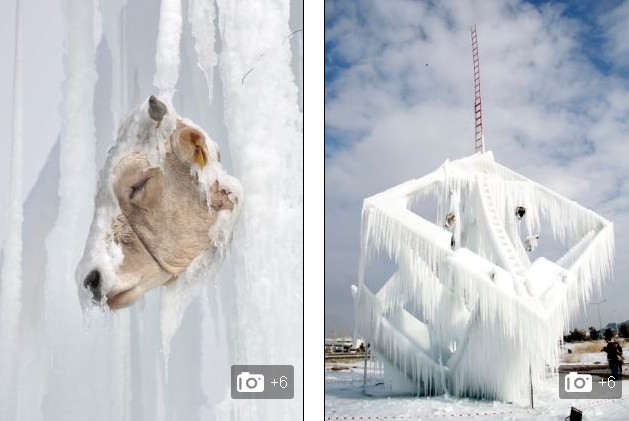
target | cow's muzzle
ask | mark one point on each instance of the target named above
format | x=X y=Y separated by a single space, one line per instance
x=93 y=283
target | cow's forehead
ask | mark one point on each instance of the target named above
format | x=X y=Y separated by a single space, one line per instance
x=138 y=133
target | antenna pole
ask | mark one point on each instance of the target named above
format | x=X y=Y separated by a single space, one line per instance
x=479 y=138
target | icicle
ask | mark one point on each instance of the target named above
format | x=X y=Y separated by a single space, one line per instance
x=201 y=15
x=113 y=32
x=267 y=155
x=65 y=333
x=11 y=276
x=177 y=296
x=167 y=56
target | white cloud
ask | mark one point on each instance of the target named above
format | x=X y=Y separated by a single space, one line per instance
x=616 y=24
x=401 y=103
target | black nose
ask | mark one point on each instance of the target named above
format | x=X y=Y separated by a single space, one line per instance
x=92 y=282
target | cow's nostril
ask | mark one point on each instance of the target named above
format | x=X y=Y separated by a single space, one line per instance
x=92 y=283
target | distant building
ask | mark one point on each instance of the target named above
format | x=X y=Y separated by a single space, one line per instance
x=344 y=344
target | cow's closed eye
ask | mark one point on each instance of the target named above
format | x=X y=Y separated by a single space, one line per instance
x=137 y=187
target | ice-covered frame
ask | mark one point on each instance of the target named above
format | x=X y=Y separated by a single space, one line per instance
x=467 y=312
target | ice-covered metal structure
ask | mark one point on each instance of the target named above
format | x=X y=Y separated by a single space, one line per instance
x=467 y=312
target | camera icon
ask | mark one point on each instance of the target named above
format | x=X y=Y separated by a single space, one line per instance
x=575 y=382
x=247 y=382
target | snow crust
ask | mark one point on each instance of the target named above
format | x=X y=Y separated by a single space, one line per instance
x=469 y=289
x=344 y=399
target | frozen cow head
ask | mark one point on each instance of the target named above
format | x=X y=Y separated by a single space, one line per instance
x=163 y=200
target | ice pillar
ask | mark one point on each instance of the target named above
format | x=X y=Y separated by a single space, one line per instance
x=263 y=127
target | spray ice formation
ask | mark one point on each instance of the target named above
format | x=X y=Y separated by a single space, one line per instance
x=467 y=312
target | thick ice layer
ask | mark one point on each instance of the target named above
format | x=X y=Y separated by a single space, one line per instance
x=469 y=281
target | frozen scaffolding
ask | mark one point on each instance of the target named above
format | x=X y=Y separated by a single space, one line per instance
x=467 y=312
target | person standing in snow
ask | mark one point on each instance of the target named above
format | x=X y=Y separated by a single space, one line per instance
x=614 y=356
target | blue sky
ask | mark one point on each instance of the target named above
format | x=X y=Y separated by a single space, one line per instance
x=555 y=86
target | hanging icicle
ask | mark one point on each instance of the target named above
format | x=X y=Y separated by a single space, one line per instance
x=77 y=181
x=202 y=16
x=11 y=275
x=267 y=153
x=167 y=56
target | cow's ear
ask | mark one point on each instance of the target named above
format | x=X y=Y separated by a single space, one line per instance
x=189 y=146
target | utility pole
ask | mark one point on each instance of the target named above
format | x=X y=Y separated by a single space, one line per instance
x=365 y=369
x=531 y=384
x=616 y=322
x=600 y=323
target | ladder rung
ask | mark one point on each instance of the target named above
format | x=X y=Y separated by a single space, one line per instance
x=479 y=145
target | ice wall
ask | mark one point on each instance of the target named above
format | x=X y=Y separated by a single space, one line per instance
x=112 y=366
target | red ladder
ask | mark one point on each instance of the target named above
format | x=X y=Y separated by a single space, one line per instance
x=479 y=139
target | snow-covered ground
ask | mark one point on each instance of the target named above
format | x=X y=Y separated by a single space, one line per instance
x=345 y=400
